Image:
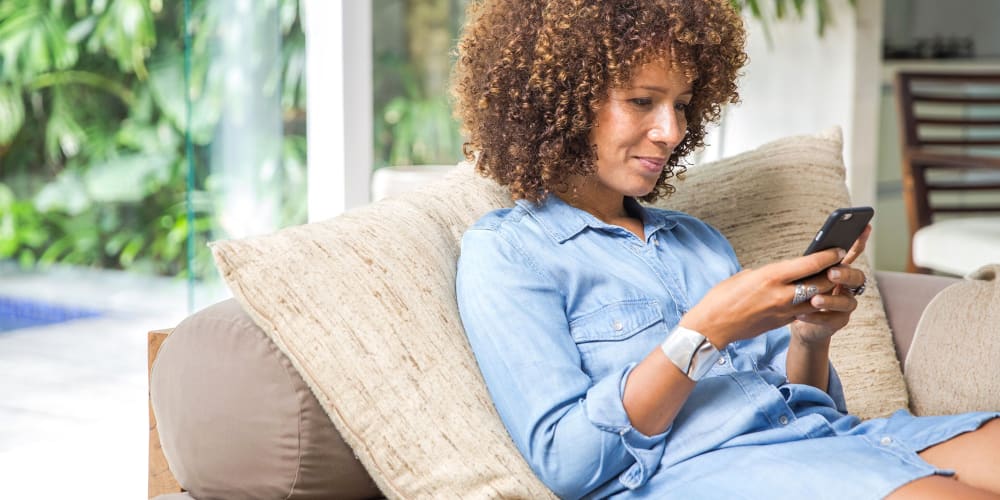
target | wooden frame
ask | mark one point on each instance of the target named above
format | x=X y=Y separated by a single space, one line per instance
x=946 y=146
x=161 y=480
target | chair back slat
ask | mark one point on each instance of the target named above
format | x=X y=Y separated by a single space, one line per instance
x=971 y=142
x=959 y=122
x=968 y=100
x=967 y=210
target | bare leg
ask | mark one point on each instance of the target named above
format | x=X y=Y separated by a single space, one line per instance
x=975 y=456
x=940 y=488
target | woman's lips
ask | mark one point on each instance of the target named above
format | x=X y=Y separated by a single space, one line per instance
x=652 y=164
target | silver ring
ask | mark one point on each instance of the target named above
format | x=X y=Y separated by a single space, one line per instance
x=803 y=293
x=860 y=289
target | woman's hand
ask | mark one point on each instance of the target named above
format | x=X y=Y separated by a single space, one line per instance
x=754 y=301
x=832 y=311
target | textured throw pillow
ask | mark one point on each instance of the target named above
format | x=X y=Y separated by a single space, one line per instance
x=364 y=307
x=951 y=367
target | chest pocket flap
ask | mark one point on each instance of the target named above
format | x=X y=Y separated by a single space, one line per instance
x=617 y=321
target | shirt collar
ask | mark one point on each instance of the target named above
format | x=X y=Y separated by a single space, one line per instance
x=562 y=221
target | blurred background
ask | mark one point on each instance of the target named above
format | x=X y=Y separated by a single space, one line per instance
x=134 y=132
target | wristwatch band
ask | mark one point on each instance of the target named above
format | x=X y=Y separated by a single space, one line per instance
x=691 y=352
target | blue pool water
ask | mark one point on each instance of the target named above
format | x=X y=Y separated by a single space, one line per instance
x=23 y=313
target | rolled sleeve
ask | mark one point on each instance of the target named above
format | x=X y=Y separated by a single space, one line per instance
x=606 y=411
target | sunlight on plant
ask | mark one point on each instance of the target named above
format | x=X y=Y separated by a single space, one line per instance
x=92 y=125
x=781 y=10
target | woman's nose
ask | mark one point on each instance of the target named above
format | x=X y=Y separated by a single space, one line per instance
x=668 y=128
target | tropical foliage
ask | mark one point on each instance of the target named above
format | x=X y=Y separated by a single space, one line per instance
x=99 y=126
x=766 y=12
x=413 y=50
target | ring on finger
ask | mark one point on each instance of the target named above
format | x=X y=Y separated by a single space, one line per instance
x=860 y=289
x=803 y=293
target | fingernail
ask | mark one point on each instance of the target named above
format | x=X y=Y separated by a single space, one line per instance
x=817 y=301
x=842 y=253
x=834 y=274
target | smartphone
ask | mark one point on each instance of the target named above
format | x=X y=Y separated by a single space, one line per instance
x=841 y=229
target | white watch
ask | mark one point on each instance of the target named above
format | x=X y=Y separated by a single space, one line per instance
x=691 y=352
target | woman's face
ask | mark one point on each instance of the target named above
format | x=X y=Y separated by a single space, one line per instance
x=636 y=130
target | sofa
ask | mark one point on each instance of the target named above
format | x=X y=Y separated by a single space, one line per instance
x=340 y=368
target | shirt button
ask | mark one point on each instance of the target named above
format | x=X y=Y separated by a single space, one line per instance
x=722 y=361
x=656 y=241
x=783 y=420
x=617 y=325
x=886 y=441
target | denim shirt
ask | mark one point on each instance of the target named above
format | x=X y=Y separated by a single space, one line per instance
x=559 y=307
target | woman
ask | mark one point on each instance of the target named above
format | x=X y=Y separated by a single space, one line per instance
x=626 y=352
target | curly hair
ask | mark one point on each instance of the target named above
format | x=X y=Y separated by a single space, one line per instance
x=530 y=75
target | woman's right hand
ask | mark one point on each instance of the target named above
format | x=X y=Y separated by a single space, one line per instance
x=754 y=301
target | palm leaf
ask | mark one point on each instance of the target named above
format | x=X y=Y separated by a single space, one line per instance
x=11 y=113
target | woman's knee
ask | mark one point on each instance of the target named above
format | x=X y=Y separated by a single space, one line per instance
x=940 y=488
x=974 y=456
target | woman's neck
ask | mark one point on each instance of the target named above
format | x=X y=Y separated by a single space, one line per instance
x=606 y=206
x=607 y=210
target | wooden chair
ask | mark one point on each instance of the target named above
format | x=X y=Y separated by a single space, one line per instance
x=950 y=132
x=161 y=481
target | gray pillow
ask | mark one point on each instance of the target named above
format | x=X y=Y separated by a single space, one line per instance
x=237 y=421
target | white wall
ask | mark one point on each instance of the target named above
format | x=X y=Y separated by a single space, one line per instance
x=802 y=84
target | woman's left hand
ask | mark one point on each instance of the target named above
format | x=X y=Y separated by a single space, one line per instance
x=833 y=310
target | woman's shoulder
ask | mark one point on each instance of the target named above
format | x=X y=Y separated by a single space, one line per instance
x=519 y=227
x=494 y=219
x=510 y=223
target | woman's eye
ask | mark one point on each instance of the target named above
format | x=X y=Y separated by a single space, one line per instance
x=641 y=101
x=682 y=106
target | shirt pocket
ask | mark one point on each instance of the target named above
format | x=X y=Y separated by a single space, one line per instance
x=617 y=334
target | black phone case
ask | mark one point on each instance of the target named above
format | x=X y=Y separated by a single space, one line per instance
x=841 y=229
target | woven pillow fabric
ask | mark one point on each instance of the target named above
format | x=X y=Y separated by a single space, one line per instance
x=364 y=307
x=951 y=367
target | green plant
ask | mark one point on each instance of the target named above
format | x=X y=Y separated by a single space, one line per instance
x=93 y=162
x=783 y=9
x=415 y=127
x=412 y=115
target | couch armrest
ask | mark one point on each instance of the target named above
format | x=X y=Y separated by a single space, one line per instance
x=905 y=295
x=951 y=366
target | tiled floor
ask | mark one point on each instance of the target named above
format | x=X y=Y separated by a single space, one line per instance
x=73 y=396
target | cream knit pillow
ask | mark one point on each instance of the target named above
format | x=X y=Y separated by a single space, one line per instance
x=364 y=307
x=951 y=367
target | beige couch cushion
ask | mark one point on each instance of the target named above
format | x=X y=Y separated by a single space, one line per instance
x=364 y=306
x=958 y=330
